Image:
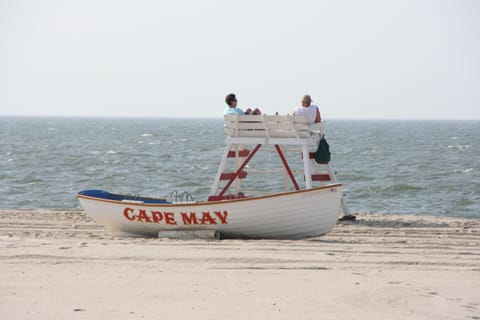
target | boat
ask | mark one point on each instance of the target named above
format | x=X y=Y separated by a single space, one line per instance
x=305 y=203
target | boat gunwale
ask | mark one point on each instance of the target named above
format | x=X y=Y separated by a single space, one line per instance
x=203 y=203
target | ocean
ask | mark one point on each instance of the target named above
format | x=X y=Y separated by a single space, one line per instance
x=391 y=167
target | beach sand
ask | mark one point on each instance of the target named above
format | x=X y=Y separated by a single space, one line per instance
x=62 y=265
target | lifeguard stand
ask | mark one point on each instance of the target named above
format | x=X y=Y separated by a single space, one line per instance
x=290 y=137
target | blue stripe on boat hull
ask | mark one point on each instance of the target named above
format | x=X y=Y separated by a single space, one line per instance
x=102 y=194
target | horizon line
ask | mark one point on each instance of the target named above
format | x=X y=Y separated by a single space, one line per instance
x=220 y=116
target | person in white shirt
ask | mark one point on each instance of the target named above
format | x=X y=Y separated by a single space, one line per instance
x=309 y=110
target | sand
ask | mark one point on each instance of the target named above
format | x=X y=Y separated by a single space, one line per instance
x=62 y=265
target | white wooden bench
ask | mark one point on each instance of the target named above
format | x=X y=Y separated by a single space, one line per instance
x=270 y=129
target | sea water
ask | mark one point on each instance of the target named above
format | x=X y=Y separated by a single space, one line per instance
x=401 y=167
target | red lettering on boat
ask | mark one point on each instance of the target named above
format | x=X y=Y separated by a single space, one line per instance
x=157 y=216
x=169 y=218
x=126 y=212
x=189 y=218
x=221 y=216
x=142 y=216
x=206 y=217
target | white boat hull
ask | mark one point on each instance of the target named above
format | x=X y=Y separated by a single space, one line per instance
x=289 y=215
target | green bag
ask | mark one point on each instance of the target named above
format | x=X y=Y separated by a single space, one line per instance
x=322 y=155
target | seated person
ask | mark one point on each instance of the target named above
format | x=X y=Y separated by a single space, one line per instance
x=232 y=108
x=309 y=110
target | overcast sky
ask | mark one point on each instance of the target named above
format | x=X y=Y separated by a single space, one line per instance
x=357 y=59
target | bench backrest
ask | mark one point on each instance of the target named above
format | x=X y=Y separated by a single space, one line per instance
x=270 y=126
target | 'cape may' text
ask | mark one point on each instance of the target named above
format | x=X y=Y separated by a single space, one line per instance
x=185 y=218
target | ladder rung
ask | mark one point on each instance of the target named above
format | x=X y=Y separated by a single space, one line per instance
x=320 y=177
x=311 y=155
x=230 y=175
x=241 y=153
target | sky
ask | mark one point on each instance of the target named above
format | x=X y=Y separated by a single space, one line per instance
x=406 y=59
